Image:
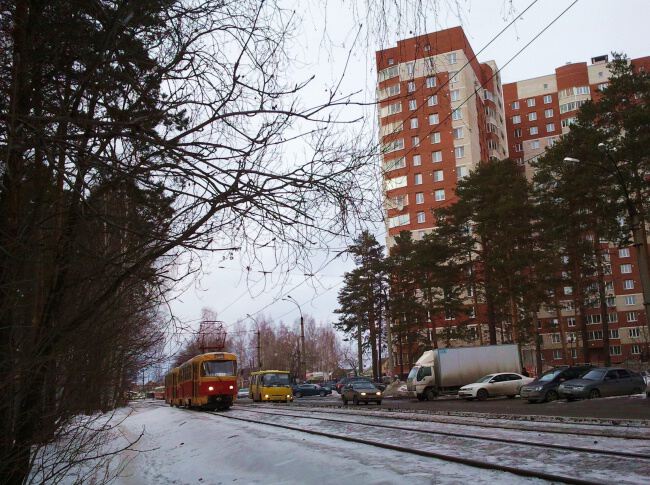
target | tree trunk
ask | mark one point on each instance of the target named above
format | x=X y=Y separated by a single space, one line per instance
x=602 y=296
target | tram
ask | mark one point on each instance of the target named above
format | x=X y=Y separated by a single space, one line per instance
x=270 y=385
x=207 y=381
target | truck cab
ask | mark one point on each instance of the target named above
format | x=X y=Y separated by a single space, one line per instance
x=421 y=382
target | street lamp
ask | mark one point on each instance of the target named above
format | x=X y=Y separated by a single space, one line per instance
x=301 y=348
x=259 y=342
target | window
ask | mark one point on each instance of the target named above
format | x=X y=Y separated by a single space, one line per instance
x=394 y=108
x=628 y=284
x=398 y=202
x=419 y=198
x=612 y=317
x=567 y=122
x=413 y=104
x=462 y=172
x=533 y=130
x=602 y=86
x=630 y=300
x=548 y=113
x=610 y=301
x=421 y=217
x=418 y=179
x=557 y=354
x=458 y=133
x=571 y=321
x=393 y=146
x=548 y=99
x=516 y=119
x=613 y=333
x=395 y=183
x=453 y=77
x=636 y=349
x=626 y=268
x=534 y=144
x=582 y=90
x=517 y=132
x=614 y=350
x=431 y=82
x=624 y=252
x=515 y=105
x=410 y=68
x=595 y=335
x=457 y=114
x=391 y=61
x=388 y=73
x=572 y=106
x=392 y=90
x=394 y=164
x=634 y=332
x=400 y=220
x=532 y=116
x=452 y=58
x=568 y=290
x=435 y=137
x=459 y=152
x=530 y=102
x=439 y=194
x=433 y=100
x=413 y=122
x=631 y=317
x=555 y=338
x=593 y=319
x=434 y=119
x=415 y=141
x=519 y=147
x=410 y=86
x=436 y=156
x=550 y=127
x=570 y=337
x=438 y=176
x=455 y=94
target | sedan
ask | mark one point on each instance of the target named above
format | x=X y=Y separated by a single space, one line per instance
x=603 y=381
x=310 y=390
x=361 y=391
x=501 y=384
x=242 y=392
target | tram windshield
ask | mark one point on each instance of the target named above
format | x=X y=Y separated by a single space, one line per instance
x=276 y=380
x=219 y=368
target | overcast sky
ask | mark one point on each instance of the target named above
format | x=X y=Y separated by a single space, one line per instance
x=590 y=28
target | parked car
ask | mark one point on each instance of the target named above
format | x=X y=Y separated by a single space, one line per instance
x=603 y=381
x=348 y=380
x=499 y=384
x=242 y=392
x=310 y=390
x=361 y=391
x=544 y=388
x=646 y=376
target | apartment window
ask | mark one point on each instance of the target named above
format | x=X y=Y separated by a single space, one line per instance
x=595 y=335
x=634 y=332
x=612 y=317
x=457 y=114
x=395 y=183
x=571 y=321
x=391 y=61
x=436 y=156
x=519 y=147
x=614 y=350
x=410 y=68
x=439 y=194
x=628 y=284
x=574 y=353
x=530 y=102
x=548 y=99
x=417 y=160
x=438 y=176
x=626 y=268
x=394 y=108
x=548 y=113
x=515 y=105
x=517 y=132
x=568 y=122
x=415 y=141
x=636 y=349
x=532 y=116
x=557 y=354
x=388 y=73
x=462 y=172
x=533 y=130
x=393 y=146
x=431 y=82
x=631 y=317
x=458 y=133
x=455 y=94
x=413 y=104
x=394 y=164
x=555 y=338
x=582 y=90
x=550 y=127
x=453 y=77
x=413 y=123
x=624 y=252
x=613 y=333
x=459 y=152
x=434 y=119
x=516 y=119
x=610 y=301
x=435 y=137
x=630 y=299
x=568 y=290
x=602 y=86
x=433 y=100
x=593 y=319
x=421 y=217
x=418 y=179
x=419 y=198
x=452 y=58
x=534 y=144
x=410 y=86
x=392 y=90
x=400 y=220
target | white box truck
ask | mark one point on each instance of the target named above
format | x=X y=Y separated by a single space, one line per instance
x=445 y=370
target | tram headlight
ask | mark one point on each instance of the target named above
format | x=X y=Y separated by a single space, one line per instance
x=232 y=387
x=266 y=396
x=210 y=388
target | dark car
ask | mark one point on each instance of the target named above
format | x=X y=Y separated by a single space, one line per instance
x=310 y=390
x=544 y=388
x=603 y=381
x=349 y=380
x=361 y=391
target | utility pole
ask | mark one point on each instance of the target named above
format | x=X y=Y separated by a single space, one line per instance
x=259 y=342
x=302 y=368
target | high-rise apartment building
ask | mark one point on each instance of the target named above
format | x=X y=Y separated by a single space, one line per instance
x=441 y=112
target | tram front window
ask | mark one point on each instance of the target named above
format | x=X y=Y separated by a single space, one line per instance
x=219 y=368
x=276 y=380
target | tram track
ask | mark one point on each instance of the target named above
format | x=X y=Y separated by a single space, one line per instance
x=489 y=463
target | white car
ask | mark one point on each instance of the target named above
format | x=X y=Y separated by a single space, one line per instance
x=500 y=384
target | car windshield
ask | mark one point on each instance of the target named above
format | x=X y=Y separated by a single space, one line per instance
x=275 y=380
x=549 y=376
x=413 y=373
x=485 y=378
x=213 y=368
x=363 y=385
x=594 y=375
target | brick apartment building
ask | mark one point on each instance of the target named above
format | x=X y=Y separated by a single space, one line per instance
x=434 y=131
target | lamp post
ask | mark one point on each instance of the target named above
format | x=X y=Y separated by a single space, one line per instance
x=301 y=348
x=259 y=342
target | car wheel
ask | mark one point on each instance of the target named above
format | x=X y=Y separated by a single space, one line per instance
x=298 y=394
x=322 y=394
x=511 y=396
x=637 y=390
x=482 y=394
x=594 y=394
x=420 y=397
x=532 y=401
x=355 y=400
x=551 y=396
x=429 y=394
